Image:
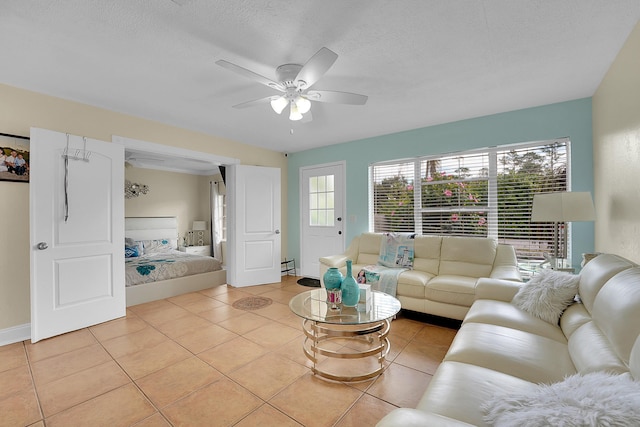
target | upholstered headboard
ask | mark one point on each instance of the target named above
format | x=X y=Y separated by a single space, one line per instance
x=151 y=228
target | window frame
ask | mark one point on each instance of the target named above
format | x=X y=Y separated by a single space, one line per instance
x=495 y=155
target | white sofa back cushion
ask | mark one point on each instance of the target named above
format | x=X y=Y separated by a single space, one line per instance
x=427 y=254
x=634 y=360
x=615 y=311
x=369 y=250
x=596 y=273
x=467 y=256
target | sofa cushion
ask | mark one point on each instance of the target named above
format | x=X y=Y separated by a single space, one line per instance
x=458 y=290
x=596 y=273
x=522 y=354
x=467 y=256
x=634 y=360
x=368 y=249
x=547 y=294
x=591 y=351
x=457 y=390
x=596 y=399
x=616 y=313
x=573 y=317
x=505 y=314
x=412 y=283
x=427 y=254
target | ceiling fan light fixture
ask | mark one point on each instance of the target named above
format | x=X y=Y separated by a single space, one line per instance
x=279 y=104
x=303 y=104
x=294 y=114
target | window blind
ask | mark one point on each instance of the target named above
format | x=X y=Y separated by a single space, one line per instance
x=485 y=193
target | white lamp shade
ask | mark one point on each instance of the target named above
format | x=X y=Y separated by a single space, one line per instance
x=568 y=206
x=294 y=114
x=303 y=104
x=279 y=104
x=199 y=225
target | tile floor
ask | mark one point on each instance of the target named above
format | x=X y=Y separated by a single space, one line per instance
x=194 y=360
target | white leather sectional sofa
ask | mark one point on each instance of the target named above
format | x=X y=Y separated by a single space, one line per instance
x=445 y=270
x=501 y=350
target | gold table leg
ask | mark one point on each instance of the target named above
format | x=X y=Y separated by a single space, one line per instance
x=317 y=333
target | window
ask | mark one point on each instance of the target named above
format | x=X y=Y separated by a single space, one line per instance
x=486 y=193
x=321 y=201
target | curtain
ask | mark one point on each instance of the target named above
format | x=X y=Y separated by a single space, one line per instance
x=217 y=218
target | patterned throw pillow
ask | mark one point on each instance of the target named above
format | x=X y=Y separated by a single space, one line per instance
x=131 y=251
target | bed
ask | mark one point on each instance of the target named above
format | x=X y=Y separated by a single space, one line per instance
x=163 y=271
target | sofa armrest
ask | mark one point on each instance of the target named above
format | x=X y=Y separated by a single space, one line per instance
x=407 y=417
x=496 y=289
x=334 y=260
x=339 y=260
x=505 y=265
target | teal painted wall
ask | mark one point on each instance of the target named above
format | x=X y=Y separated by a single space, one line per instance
x=567 y=119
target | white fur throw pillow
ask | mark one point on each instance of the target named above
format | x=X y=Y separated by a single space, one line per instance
x=595 y=399
x=547 y=294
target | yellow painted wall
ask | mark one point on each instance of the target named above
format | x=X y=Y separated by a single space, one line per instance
x=616 y=154
x=21 y=109
x=182 y=195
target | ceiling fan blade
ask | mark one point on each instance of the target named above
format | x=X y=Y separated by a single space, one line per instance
x=255 y=102
x=315 y=68
x=336 y=97
x=250 y=74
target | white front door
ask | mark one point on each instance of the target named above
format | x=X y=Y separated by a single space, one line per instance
x=322 y=215
x=76 y=198
x=254 y=239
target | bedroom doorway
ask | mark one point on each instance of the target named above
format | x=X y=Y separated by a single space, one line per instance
x=183 y=160
x=162 y=158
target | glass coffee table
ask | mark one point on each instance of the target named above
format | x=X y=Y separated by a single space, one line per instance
x=345 y=333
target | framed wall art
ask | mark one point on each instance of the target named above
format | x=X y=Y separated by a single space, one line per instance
x=14 y=158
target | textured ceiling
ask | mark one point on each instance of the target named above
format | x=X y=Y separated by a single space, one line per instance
x=420 y=62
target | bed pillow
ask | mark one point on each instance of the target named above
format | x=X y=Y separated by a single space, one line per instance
x=547 y=294
x=132 y=251
x=158 y=246
x=594 y=399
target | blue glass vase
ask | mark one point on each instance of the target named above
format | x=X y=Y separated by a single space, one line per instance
x=332 y=278
x=350 y=288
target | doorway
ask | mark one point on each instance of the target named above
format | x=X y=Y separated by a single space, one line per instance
x=163 y=158
x=322 y=222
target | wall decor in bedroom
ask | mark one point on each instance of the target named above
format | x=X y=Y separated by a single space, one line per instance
x=133 y=189
x=14 y=158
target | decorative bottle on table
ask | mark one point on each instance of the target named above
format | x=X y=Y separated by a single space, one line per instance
x=332 y=280
x=350 y=288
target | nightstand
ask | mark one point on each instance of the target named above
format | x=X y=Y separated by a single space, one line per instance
x=196 y=250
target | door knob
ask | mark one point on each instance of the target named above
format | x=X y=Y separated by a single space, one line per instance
x=42 y=246
x=339 y=218
x=277 y=231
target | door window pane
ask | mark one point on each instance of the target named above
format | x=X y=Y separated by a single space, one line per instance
x=321 y=201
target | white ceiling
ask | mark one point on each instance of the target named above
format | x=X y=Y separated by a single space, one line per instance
x=420 y=62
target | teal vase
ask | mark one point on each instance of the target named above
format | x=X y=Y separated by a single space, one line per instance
x=350 y=288
x=332 y=278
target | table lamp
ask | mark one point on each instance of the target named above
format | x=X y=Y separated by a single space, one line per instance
x=199 y=227
x=566 y=206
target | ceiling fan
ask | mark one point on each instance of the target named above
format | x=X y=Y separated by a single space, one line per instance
x=294 y=83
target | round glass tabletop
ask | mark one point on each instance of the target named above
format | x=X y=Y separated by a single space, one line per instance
x=312 y=305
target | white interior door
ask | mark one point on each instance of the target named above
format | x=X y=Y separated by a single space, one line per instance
x=77 y=232
x=322 y=215
x=253 y=225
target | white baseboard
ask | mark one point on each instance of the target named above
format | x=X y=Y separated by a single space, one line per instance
x=15 y=334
